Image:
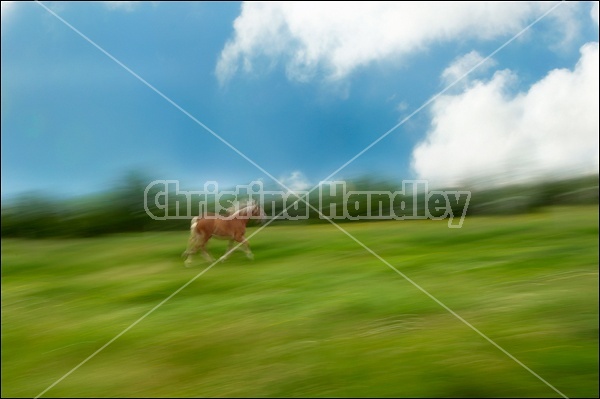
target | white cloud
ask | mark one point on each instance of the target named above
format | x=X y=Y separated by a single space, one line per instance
x=403 y=106
x=486 y=134
x=335 y=38
x=464 y=65
x=296 y=181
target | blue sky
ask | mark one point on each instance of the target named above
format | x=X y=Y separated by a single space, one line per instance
x=299 y=89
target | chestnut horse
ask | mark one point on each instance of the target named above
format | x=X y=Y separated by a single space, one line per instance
x=231 y=227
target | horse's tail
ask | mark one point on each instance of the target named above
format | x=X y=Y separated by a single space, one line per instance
x=192 y=239
x=194 y=223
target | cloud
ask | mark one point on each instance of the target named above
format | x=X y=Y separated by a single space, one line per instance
x=484 y=133
x=296 y=181
x=333 y=39
x=463 y=66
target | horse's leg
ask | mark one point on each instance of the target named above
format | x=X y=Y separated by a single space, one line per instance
x=245 y=246
x=229 y=251
x=197 y=242
x=202 y=246
x=191 y=249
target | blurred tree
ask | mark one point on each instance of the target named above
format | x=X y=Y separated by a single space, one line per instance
x=122 y=209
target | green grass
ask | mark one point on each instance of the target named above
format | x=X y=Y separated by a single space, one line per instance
x=314 y=315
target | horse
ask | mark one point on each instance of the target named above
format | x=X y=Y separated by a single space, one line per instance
x=231 y=227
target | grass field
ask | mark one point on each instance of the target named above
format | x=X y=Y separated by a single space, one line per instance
x=314 y=315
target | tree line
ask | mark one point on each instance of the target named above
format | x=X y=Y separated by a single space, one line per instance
x=124 y=208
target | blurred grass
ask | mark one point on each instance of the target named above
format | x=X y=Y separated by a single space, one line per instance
x=314 y=315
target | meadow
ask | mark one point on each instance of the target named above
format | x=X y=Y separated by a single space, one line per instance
x=314 y=314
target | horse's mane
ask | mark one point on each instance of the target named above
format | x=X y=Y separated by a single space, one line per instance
x=241 y=208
